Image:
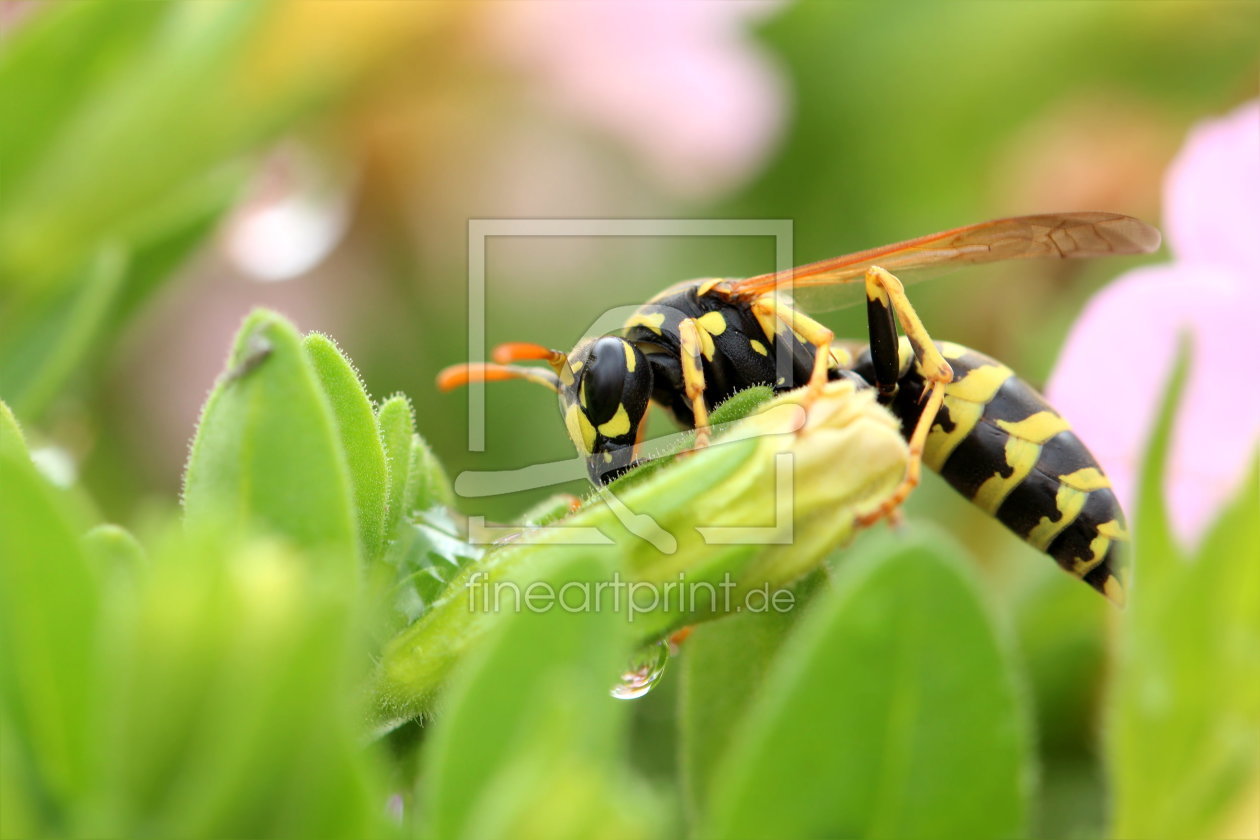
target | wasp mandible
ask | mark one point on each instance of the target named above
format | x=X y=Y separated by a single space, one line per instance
x=968 y=417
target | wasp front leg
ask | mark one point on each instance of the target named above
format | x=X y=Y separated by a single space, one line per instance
x=776 y=317
x=691 y=338
x=886 y=296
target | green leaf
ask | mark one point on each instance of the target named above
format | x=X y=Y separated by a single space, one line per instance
x=417 y=480
x=49 y=614
x=104 y=160
x=426 y=557
x=12 y=441
x=892 y=712
x=232 y=675
x=50 y=338
x=360 y=439
x=398 y=427
x=724 y=664
x=428 y=478
x=114 y=550
x=1184 y=707
x=41 y=346
x=1153 y=538
x=18 y=791
x=267 y=453
x=537 y=695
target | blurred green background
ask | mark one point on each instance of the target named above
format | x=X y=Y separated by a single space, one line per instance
x=164 y=168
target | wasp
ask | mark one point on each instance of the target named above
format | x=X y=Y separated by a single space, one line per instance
x=971 y=419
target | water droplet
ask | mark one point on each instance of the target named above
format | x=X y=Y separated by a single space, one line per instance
x=644 y=672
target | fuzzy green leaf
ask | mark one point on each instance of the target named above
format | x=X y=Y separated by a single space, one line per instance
x=360 y=439
x=894 y=691
x=431 y=485
x=267 y=453
x=398 y=427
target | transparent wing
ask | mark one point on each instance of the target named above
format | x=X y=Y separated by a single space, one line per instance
x=1061 y=235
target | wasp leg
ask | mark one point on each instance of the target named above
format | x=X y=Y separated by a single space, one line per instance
x=775 y=317
x=884 y=296
x=689 y=333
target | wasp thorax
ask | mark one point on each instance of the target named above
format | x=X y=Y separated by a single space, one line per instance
x=604 y=393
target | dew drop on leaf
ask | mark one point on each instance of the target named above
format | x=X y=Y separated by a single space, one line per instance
x=643 y=673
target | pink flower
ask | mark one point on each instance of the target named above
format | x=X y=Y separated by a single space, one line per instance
x=681 y=83
x=1118 y=358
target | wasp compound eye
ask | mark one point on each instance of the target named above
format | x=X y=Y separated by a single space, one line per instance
x=616 y=383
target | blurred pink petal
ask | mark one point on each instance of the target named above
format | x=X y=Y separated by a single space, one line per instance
x=681 y=83
x=1212 y=193
x=1118 y=358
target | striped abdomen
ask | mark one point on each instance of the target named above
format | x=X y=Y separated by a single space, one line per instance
x=999 y=443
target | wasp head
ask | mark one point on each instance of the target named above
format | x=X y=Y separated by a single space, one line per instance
x=604 y=390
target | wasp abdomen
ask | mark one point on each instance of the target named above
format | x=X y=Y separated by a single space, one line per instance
x=1000 y=444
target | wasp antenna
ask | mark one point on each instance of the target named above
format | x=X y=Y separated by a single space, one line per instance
x=520 y=351
x=457 y=376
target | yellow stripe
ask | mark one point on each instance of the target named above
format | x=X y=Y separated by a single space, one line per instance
x=1097 y=552
x=758 y=347
x=1069 y=501
x=950 y=350
x=625 y=345
x=618 y=425
x=1086 y=479
x=940 y=444
x=981 y=384
x=1021 y=457
x=1038 y=428
x=1114 y=590
x=707 y=286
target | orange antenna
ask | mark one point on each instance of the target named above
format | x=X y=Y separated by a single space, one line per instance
x=457 y=376
x=520 y=351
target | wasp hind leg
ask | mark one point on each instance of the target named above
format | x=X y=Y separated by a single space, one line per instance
x=885 y=296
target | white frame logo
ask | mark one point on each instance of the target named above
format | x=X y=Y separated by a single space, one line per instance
x=488 y=483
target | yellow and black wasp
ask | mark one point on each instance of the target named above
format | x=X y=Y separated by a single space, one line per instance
x=965 y=415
